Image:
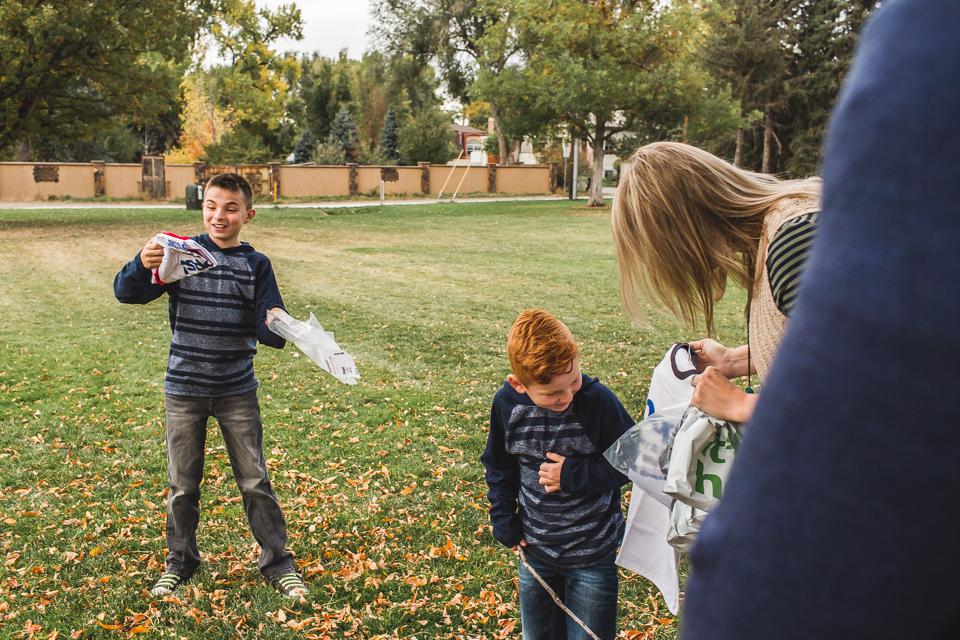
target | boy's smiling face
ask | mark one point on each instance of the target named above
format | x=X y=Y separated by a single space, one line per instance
x=555 y=395
x=224 y=214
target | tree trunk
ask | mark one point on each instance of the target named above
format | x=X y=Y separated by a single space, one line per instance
x=501 y=136
x=738 y=152
x=767 y=143
x=23 y=150
x=596 y=182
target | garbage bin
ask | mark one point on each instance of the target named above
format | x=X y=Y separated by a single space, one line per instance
x=194 y=197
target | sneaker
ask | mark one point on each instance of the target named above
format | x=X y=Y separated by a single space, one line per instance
x=290 y=585
x=167 y=583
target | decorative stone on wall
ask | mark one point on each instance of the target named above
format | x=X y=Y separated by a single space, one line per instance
x=99 y=178
x=424 y=177
x=46 y=173
x=491 y=177
x=274 y=178
x=353 y=183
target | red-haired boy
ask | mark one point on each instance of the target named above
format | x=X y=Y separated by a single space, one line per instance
x=551 y=490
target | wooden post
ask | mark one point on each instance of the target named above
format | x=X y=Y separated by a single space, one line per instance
x=424 y=177
x=99 y=178
x=354 y=185
x=491 y=177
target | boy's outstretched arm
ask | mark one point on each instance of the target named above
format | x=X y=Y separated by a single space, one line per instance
x=593 y=474
x=267 y=299
x=133 y=285
x=503 y=481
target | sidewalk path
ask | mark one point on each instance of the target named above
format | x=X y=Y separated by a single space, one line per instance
x=607 y=193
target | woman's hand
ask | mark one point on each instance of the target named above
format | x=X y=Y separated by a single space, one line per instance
x=716 y=395
x=732 y=363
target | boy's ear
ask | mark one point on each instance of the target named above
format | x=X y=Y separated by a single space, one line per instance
x=250 y=215
x=516 y=384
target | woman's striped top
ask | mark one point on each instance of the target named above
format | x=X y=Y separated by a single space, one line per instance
x=786 y=258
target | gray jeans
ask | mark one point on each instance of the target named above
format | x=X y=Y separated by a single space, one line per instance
x=239 y=418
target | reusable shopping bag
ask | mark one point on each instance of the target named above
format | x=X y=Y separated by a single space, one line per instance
x=703 y=452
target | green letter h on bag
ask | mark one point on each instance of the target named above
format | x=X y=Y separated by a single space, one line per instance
x=716 y=485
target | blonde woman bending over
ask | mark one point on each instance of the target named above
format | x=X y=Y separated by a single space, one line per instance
x=684 y=222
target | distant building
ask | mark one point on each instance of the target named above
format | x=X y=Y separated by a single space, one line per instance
x=469 y=140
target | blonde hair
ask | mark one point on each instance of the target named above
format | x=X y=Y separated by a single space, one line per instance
x=540 y=347
x=684 y=221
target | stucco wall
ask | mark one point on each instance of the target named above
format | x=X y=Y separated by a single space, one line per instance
x=19 y=184
x=528 y=179
x=304 y=182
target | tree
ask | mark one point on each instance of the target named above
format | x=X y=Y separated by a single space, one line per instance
x=464 y=37
x=328 y=153
x=306 y=145
x=344 y=132
x=426 y=137
x=604 y=67
x=238 y=147
x=69 y=67
x=390 y=137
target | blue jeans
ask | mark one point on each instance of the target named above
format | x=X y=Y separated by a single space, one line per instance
x=239 y=419
x=590 y=593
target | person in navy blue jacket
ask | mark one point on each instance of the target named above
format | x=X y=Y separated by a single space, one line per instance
x=551 y=490
x=842 y=505
x=217 y=317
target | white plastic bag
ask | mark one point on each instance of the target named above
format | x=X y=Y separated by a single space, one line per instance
x=316 y=344
x=701 y=460
x=642 y=453
x=182 y=257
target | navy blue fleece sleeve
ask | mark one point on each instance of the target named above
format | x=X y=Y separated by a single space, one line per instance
x=605 y=420
x=267 y=297
x=503 y=482
x=843 y=502
x=133 y=285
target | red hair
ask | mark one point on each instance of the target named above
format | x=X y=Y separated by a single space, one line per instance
x=540 y=347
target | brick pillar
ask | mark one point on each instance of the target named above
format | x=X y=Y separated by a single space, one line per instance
x=424 y=177
x=99 y=178
x=354 y=186
x=274 y=178
x=553 y=176
x=491 y=177
x=198 y=173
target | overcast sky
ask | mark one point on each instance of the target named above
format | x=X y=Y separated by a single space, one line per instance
x=328 y=26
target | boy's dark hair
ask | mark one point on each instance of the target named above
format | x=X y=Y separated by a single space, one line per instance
x=233 y=183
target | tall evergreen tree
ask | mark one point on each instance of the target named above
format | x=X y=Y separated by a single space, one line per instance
x=306 y=145
x=390 y=137
x=344 y=132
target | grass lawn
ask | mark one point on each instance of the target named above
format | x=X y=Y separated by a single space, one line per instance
x=381 y=482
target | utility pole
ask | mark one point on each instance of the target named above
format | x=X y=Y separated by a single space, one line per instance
x=576 y=161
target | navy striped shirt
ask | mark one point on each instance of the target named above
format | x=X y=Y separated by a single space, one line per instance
x=582 y=523
x=216 y=316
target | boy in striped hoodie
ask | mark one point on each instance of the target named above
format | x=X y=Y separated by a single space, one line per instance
x=217 y=317
x=551 y=491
